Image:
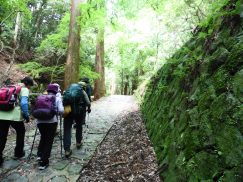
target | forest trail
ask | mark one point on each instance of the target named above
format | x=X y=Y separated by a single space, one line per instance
x=103 y=116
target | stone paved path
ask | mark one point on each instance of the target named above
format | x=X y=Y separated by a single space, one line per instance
x=98 y=123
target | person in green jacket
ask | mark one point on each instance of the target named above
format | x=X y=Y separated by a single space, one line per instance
x=17 y=123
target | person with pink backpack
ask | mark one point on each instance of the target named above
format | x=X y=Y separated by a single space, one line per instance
x=14 y=110
x=46 y=109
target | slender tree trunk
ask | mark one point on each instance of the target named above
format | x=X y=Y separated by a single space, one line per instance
x=99 y=86
x=113 y=87
x=122 y=82
x=17 y=28
x=134 y=81
x=38 y=20
x=126 y=85
x=73 y=57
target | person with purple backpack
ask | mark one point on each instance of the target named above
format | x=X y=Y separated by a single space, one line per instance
x=47 y=107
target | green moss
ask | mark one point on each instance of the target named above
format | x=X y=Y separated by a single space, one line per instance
x=238 y=85
x=236 y=174
x=230 y=144
x=235 y=60
x=220 y=81
x=218 y=58
x=193 y=107
x=203 y=166
x=206 y=98
x=238 y=117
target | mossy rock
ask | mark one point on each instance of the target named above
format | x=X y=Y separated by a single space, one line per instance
x=221 y=81
x=206 y=98
x=235 y=60
x=238 y=117
x=220 y=107
x=218 y=58
x=230 y=144
x=194 y=117
x=238 y=85
x=233 y=175
x=203 y=166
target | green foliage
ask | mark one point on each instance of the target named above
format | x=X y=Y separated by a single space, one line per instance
x=56 y=43
x=54 y=47
x=8 y=13
x=93 y=14
x=36 y=70
x=86 y=71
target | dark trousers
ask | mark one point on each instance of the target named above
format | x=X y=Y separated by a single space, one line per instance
x=20 y=133
x=79 y=119
x=47 y=131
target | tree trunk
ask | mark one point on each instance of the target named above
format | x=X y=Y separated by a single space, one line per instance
x=122 y=82
x=17 y=28
x=134 y=81
x=99 y=86
x=39 y=18
x=126 y=85
x=73 y=58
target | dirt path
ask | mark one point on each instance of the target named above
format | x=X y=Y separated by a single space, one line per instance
x=103 y=116
x=125 y=154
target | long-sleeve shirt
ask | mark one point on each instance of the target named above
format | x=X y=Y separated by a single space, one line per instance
x=89 y=91
x=86 y=99
x=60 y=110
x=24 y=101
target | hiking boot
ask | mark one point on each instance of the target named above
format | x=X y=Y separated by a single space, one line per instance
x=38 y=159
x=43 y=165
x=78 y=145
x=19 y=156
x=68 y=153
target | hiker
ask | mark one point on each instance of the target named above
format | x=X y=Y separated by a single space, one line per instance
x=84 y=83
x=78 y=112
x=59 y=93
x=47 y=125
x=88 y=89
x=15 y=118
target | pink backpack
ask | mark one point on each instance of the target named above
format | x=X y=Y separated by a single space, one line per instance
x=9 y=97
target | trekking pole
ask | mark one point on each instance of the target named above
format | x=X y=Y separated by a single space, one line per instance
x=32 y=144
x=61 y=132
x=87 y=121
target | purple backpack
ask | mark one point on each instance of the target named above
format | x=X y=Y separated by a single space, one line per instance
x=45 y=108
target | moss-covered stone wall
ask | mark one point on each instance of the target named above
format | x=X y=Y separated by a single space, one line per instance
x=193 y=107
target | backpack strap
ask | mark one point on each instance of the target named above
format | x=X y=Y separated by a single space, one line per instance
x=54 y=103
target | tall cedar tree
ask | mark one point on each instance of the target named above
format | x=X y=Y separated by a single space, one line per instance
x=73 y=58
x=99 y=87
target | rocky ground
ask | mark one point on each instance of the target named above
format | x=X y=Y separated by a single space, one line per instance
x=103 y=116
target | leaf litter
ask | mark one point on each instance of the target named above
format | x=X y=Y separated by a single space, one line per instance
x=125 y=154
